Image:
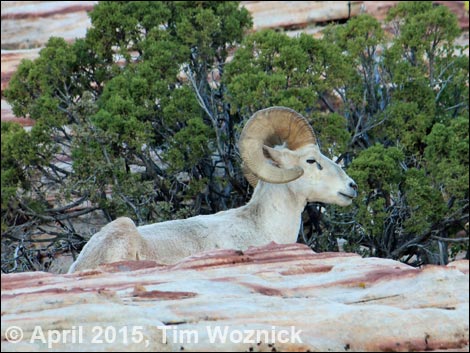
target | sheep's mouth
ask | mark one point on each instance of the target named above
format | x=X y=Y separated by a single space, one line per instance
x=348 y=196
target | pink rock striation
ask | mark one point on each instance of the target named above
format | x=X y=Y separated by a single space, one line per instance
x=292 y=298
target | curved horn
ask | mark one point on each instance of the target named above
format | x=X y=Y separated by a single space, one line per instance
x=273 y=126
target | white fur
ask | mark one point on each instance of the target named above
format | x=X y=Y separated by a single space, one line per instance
x=273 y=214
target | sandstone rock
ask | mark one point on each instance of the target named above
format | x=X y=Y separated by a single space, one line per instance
x=29 y=24
x=7 y=115
x=290 y=297
x=299 y=14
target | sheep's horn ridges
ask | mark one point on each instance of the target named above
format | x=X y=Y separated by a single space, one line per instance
x=273 y=126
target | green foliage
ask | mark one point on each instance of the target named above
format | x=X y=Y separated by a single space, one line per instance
x=42 y=88
x=401 y=97
x=422 y=27
x=406 y=125
x=272 y=69
x=16 y=155
x=421 y=82
x=332 y=133
x=377 y=168
x=130 y=110
x=447 y=157
x=190 y=145
x=146 y=111
x=425 y=203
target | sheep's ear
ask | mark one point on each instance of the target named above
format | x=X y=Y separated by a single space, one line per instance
x=277 y=156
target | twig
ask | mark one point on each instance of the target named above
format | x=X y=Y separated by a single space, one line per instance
x=449 y=240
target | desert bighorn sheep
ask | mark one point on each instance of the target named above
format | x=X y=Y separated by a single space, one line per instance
x=281 y=158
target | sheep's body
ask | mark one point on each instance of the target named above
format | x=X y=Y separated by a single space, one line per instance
x=273 y=214
x=291 y=179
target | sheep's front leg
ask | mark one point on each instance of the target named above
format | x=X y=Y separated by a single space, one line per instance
x=117 y=241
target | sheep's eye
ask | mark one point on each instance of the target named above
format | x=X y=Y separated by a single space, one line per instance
x=311 y=161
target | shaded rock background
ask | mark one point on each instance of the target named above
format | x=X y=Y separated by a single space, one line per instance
x=27 y=25
x=324 y=302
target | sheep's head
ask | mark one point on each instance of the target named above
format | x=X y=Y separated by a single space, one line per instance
x=278 y=146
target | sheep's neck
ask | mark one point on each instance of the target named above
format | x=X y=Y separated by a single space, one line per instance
x=277 y=211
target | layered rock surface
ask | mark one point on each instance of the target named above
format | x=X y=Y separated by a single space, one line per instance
x=289 y=297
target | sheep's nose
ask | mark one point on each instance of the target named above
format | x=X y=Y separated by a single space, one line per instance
x=353 y=185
